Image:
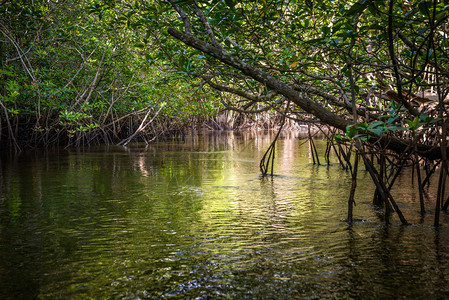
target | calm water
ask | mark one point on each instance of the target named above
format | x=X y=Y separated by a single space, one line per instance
x=194 y=219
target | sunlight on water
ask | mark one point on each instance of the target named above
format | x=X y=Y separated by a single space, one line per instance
x=194 y=219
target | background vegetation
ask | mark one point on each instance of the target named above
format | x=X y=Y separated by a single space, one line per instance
x=82 y=72
x=77 y=72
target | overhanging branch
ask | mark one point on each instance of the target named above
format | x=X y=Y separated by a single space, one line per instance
x=326 y=116
x=257 y=74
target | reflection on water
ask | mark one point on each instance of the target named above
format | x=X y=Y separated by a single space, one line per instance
x=194 y=219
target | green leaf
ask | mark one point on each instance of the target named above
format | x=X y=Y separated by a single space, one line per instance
x=424 y=117
x=377 y=131
x=351 y=131
x=341 y=138
x=413 y=124
x=357 y=8
x=392 y=118
x=376 y=124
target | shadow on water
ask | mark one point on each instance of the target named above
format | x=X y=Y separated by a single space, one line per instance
x=194 y=219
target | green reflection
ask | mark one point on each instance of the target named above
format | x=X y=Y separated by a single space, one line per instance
x=194 y=219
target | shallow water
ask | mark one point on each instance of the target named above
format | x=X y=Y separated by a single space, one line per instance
x=194 y=219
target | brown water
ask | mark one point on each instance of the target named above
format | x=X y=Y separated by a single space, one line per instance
x=195 y=220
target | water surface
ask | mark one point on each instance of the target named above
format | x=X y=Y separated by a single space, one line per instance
x=194 y=219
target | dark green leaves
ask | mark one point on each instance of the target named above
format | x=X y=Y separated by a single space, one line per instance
x=357 y=8
x=424 y=7
x=230 y=3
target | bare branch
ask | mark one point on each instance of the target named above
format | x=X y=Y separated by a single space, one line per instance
x=206 y=25
x=185 y=20
x=394 y=61
x=244 y=111
x=249 y=96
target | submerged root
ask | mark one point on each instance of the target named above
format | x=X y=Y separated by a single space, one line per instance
x=384 y=168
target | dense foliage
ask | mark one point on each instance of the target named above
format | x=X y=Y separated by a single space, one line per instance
x=388 y=60
x=77 y=72
x=75 y=69
x=375 y=72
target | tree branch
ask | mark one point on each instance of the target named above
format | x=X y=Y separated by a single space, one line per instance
x=206 y=25
x=394 y=61
x=185 y=20
x=309 y=106
x=326 y=116
x=243 y=94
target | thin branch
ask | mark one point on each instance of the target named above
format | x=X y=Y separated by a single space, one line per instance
x=252 y=97
x=394 y=61
x=185 y=20
x=206 y=25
